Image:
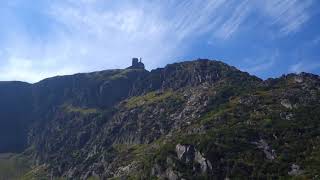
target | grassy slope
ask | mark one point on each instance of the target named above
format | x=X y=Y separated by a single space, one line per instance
x=13 y=166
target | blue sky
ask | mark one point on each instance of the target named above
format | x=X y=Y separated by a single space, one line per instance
x=44 y=38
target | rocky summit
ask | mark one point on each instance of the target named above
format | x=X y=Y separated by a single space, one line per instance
x=199 y=119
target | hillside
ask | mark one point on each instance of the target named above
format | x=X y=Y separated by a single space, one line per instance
x=199 y=119
x=15 y=103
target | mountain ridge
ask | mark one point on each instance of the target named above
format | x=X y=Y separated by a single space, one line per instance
x=189 y=119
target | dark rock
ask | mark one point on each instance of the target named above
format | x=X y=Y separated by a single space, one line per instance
x=199 y=119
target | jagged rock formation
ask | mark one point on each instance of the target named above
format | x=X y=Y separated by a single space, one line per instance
x=199 y=119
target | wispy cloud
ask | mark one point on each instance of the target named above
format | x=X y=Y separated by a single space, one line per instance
x=231 y=25
x=258 y=65
x=289 y=15
x=305 y=66
x=266 y=65
x=26 y=69
x=88 y=35
x=316 y=40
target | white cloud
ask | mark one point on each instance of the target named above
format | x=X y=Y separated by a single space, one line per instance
x=19 y=68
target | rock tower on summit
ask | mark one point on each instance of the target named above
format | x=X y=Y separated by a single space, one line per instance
x=137 y=64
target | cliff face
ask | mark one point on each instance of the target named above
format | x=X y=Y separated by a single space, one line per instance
x=199 y=119
x=15 y=108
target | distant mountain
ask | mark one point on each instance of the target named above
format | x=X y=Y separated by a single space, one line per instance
x=199 y=119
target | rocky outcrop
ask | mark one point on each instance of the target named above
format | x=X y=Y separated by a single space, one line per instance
x=286 y=103
x=263 y=145
x=185 y=153
x=295 y=170
x=189 y=154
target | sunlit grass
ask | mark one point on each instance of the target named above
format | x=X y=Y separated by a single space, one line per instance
x=13 y=166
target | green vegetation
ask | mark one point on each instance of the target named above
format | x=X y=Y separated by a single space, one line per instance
x=84 y=111
x=124 y=74
x=151 y=98
x=13 y=166
x=234 y=128
x=93 y=178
